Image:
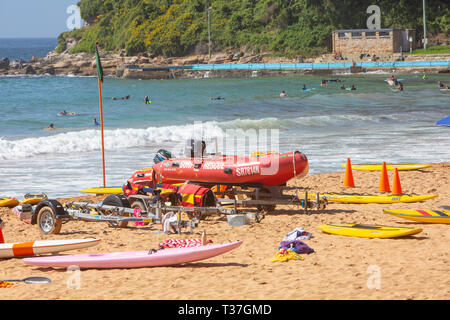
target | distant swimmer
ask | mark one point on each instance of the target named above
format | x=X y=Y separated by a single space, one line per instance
x=323 y=82
x=304 y=87
x=123 y=98
x=343 y=87
x=282 y=94
x=147 y=100
x=218 y=98
x=353 y=87
x=440 y=84
x=50 y=127
x=65 y=113
x=424 y=77
x=95 y=122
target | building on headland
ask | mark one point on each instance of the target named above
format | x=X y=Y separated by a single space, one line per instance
x=373 y=41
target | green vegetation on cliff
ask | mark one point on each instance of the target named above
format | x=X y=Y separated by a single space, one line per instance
x=284 y=27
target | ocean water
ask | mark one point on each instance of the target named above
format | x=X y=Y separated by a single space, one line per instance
x=25 y=48
x=370 y=125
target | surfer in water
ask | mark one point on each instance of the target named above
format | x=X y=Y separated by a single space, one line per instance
x=95 y=122
x=304 y=87
x=147 y=100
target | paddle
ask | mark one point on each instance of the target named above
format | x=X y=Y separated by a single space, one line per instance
x=31 y=280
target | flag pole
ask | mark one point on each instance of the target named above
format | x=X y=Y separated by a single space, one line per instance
x=100 y=80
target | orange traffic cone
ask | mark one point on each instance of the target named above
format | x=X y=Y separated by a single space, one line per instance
x=348 y=179
x=396 y=186
x=384 y=181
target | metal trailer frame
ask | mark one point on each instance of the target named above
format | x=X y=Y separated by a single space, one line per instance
x=266 y=199
x=49 y=214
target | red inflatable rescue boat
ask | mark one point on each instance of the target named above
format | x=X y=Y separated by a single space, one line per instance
x=254 y=171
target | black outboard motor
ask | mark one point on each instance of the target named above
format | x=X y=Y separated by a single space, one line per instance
x=162 y=155
x=194 y=148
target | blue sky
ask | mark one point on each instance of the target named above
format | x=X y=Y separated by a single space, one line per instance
x=34 y=18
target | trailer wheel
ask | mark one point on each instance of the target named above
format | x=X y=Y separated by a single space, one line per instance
x=265 y=194
x=117 y=200
x=137 y=204
x=47 y=221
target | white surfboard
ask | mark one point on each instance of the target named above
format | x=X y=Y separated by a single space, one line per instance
x=20 y=249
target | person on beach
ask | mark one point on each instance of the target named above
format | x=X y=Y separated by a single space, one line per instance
x=282 y=94
x=50 y=127
x=95 y=122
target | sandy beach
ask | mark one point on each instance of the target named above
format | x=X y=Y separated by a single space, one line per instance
x=341 y=267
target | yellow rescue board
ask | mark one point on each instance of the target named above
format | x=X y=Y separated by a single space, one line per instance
x=104 y=190
x=378 y=167
x=382 y=198
x=8 y=202
x=368 y=231
x=33 y=198
x=427 y=216
x=117 y=190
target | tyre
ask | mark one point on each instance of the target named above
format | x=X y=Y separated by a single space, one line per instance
x=117 y=200
x=265 y=194
x=47 y=221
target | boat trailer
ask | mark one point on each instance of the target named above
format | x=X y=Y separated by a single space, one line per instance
x=115 y=209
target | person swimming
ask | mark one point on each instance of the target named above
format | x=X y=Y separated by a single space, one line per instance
x=50 y=127
x=282 y=94
x=218 y=98
x=147 y=100
x=323 y=82
x=95 y=122
x=304 y=87
x=353 y=87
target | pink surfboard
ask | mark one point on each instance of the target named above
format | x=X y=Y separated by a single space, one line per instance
x=134 y=259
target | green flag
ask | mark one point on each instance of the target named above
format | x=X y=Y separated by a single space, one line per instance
x=99 y=64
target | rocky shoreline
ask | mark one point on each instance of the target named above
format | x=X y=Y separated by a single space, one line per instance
x=119 y=65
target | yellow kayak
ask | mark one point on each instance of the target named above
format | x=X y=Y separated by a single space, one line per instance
x=428 y=216
x=104 y=190
x=382 y=198
x=367 y=231
x=378 y=167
